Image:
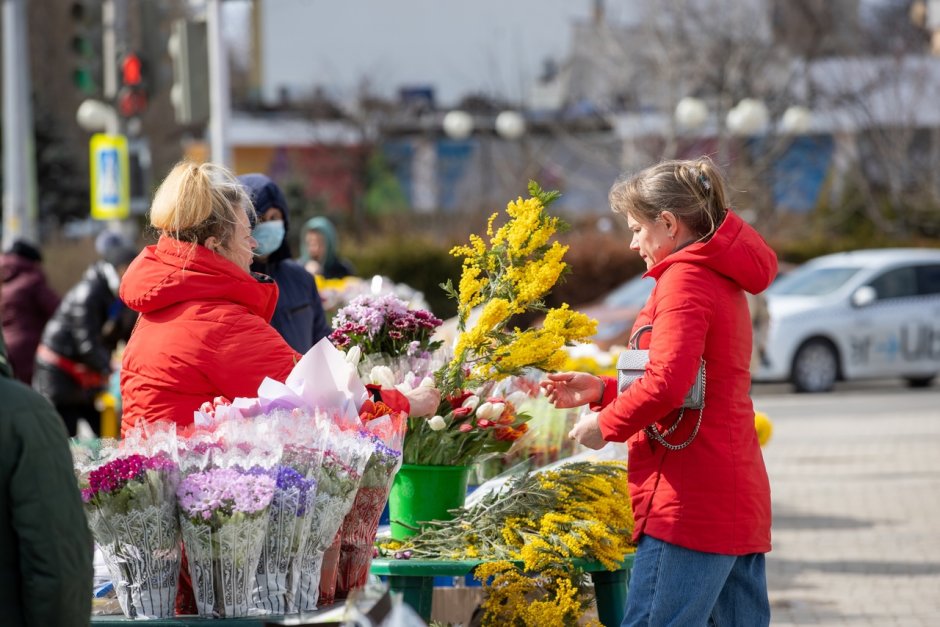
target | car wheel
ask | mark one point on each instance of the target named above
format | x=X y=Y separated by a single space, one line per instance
x=815 y=367
x=920 y=382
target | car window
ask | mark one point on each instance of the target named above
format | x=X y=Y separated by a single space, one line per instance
x=812 y=281
x=896 y=283
x=634 y=292
x=928 y=280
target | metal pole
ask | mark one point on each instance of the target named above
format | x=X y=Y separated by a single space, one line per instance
x=218 y=85
x=19 y=170
x=108 y=52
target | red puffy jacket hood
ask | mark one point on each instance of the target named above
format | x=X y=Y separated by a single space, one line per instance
x=203 y=332
x=173 y=272
x=735 y=251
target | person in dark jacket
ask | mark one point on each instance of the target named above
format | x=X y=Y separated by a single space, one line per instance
x=319 y=250
x=299 y=315
x=73 y=360
x=45 y=545
x=28 y=304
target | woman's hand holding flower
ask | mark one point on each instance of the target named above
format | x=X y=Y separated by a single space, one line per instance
x=424 y=400
x=587 y=432
x=573 y=389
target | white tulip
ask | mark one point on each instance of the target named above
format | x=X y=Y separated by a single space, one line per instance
x=382 y=376
x=498 y=409
x=486 y=411
x=353 y=355
x=426 y=382
x=471 y=402
x=437 y=423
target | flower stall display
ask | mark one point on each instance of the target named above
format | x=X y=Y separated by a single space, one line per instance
x=528 y=532
x=507 y=274
x=344 y=461
x=128 y=490
x=227 y=483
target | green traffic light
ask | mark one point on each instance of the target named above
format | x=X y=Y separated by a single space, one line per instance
x=83 y=79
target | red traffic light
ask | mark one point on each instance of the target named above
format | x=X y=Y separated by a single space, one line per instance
x=131 y=101
x=131 y=70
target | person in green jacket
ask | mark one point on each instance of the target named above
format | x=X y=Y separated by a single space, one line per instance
x=45 y=546
x=319 y=250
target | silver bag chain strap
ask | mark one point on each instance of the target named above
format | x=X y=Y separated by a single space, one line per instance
x=653 y=433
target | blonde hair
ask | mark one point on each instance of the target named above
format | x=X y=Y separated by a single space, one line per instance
x=198 y=201
x=692 y=190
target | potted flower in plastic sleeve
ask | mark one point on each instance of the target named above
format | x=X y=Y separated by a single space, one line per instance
x=344 y=460
x=128 y=491
x=224 y=510
x=386 y=426
x=292 y=509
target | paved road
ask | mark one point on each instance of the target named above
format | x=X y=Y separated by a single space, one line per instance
x=855 y=476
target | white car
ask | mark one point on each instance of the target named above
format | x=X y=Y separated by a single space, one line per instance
x=855 y=315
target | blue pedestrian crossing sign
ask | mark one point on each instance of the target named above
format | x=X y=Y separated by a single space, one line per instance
x=110 y=177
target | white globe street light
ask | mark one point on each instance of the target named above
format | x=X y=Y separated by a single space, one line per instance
x=94 y=116
x=796 y=120
x=458 y=124
x=691 y=112
x=748 y=117
x=510 y=125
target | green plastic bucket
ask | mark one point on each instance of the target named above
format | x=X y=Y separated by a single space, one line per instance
x=423 y=493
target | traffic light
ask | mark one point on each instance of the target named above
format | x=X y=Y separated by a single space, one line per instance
x=190 y=91
x=132 y=97
x=86 y=46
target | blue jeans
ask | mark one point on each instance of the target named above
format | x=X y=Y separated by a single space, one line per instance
x=674 y=586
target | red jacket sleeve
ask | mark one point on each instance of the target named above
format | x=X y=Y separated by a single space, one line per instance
x=250 y=351
x=681 y=312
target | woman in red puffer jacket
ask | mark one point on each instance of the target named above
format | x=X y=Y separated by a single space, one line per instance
x=204 y=326
x=700 y=495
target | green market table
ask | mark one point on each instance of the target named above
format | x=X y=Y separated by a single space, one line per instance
x=414 y=578
x=325 y=617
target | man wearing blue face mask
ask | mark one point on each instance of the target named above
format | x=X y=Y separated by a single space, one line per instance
x=299 y=316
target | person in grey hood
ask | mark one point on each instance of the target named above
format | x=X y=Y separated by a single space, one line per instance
x=319 y=250
x=299 y=315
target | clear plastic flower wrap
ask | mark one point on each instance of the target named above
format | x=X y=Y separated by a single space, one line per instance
x=225 y=492
x=340 y=473
x=362 y=521
x=129 y=493
x=292 y=508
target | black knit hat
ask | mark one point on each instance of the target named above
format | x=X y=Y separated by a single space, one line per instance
x=24 y=249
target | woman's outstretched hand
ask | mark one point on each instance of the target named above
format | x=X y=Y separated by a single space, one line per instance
x=572 y=389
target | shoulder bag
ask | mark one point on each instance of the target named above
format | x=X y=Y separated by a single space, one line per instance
x=632 y=364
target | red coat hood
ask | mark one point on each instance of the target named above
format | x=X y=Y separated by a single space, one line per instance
x=172 y=272
x=736 y=251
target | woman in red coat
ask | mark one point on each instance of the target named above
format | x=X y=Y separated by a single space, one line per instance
x=204 y=327
x=701 y=497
